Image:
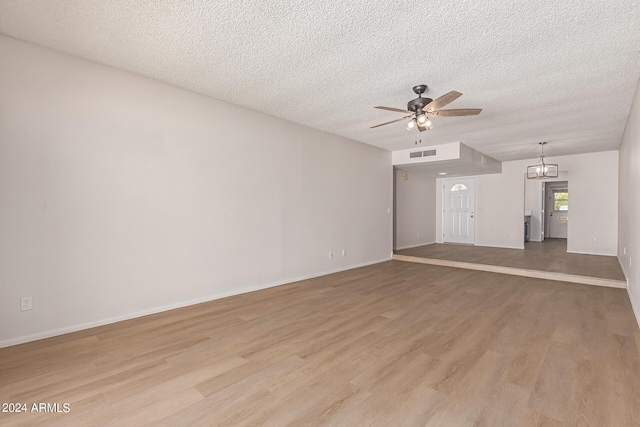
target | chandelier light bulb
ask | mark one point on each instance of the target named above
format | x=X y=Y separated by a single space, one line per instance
x=422 y=120
x=410 y=125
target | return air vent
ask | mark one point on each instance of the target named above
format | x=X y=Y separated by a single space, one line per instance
x=425 y=153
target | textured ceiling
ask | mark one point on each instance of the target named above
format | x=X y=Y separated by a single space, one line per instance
x=560 y=71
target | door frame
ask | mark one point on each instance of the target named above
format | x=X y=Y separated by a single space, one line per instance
x=537 y=206
x=547 y=185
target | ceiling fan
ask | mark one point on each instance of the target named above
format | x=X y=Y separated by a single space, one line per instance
x=420 y=109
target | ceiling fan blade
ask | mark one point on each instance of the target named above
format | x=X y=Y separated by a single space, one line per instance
x=458 y=112
x=397 y=110
x=388 y=123
x=445 y=99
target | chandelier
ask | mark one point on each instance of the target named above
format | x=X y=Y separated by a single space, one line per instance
x=542 y=169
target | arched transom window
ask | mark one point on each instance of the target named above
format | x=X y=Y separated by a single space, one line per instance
x=459 y=187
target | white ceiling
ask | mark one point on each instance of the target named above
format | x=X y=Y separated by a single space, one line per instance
x=560 y=71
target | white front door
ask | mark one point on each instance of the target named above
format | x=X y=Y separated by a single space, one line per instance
x=459 y=206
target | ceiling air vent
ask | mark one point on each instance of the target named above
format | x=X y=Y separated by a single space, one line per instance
x=428 y=153
x=415 y=154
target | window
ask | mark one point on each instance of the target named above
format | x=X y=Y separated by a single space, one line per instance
x=560 y=200
x=459 y=187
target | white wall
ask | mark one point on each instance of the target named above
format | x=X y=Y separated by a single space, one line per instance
x=415 y=211
x=121 y=196
x=500 y=208
x=629 y=204
x=500 y=204
x=593 y=203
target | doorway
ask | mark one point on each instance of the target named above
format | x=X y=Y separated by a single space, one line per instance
x=556 y=209
x=459 y=210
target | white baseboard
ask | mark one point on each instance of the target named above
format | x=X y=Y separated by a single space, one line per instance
x=634 y=307
x=481 y=245
x=592 y=253
x=101 y=322
x=501 y=247
x=415 y=246
x=623 y=268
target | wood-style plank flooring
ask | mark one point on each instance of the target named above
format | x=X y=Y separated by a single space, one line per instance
x=550 y=255
x=393 y=344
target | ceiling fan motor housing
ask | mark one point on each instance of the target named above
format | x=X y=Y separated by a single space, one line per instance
x=418 y=104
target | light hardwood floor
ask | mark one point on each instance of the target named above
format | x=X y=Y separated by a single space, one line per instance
x=391 y=344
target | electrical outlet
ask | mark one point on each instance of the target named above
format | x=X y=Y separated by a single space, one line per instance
x=330 y=255
x=25 y=304
x=344 y=252
x=594 y=241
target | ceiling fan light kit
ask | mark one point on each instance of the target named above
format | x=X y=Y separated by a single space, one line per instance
x=420 y=109
x=542 y=169
x=423 y=120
